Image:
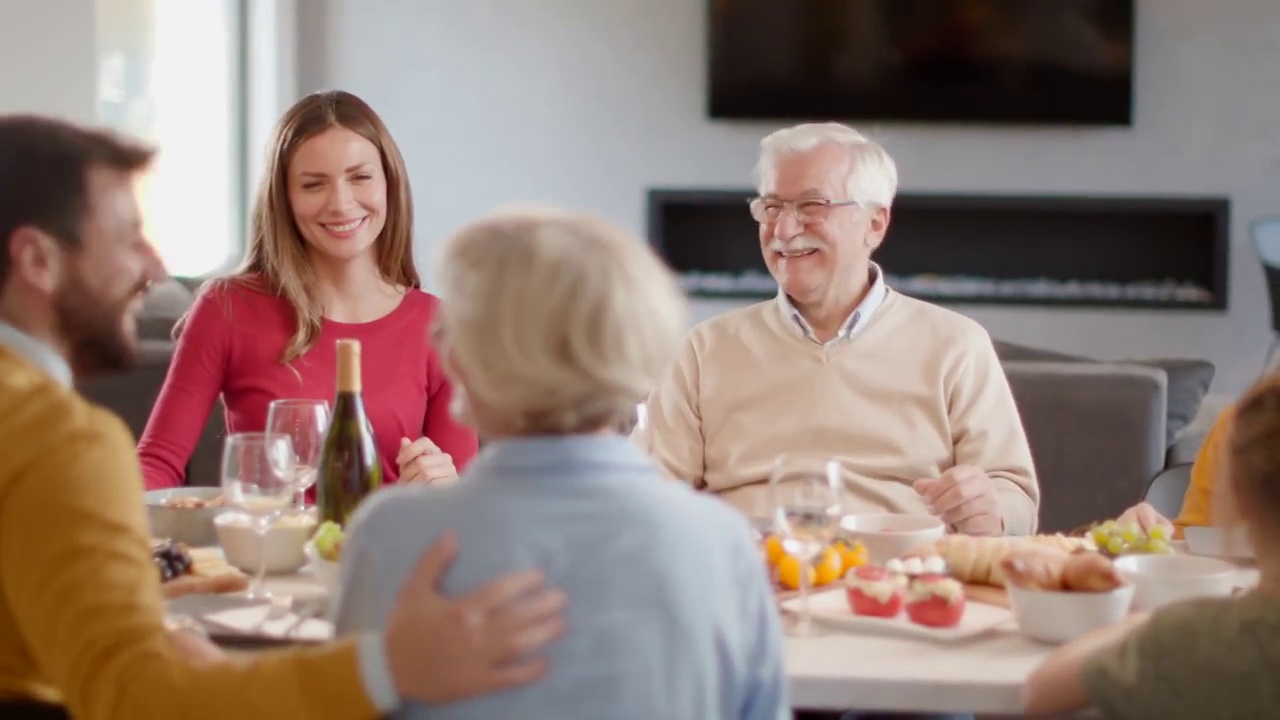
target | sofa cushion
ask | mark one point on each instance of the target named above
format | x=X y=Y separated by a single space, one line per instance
x=163 y=304
x=1189 y=380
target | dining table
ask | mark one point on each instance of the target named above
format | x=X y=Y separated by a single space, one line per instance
x=830 y=668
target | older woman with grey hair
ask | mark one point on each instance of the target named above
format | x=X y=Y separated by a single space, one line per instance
x=554 y=325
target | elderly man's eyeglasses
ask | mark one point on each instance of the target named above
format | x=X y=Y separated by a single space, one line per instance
x=809 y=210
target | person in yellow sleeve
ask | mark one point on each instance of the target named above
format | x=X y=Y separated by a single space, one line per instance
x=1197 y=503
x=81 y=616
x=1206 y=472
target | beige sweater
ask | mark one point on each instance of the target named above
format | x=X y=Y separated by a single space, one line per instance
x=915 y=391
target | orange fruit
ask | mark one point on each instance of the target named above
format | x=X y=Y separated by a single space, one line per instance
x=851 y=556
x=773 y=551
x=830 y=567
x=789 y=568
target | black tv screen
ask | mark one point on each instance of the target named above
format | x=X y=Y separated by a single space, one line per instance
x=977 y=61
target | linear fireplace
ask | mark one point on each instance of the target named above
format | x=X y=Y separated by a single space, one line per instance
x=1135 y=252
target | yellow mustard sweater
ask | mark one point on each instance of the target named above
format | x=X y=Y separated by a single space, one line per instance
x=1198 y=504
x=80 y=603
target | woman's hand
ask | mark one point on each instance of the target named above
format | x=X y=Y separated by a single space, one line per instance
x=422 y=461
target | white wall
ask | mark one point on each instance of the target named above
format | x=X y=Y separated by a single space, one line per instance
x=589 y=103
x=48 y=57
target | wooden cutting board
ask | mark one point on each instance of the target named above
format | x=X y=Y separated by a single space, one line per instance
x=987 y=594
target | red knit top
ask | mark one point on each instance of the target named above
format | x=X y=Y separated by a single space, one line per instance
x=231 y=345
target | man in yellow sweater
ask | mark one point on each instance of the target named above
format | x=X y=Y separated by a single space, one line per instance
x=911 y=394
x=81 y=629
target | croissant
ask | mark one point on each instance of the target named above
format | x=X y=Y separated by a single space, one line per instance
x=976 y=560
x=1035 y=568
x=1090 y=572
x=1066 y=543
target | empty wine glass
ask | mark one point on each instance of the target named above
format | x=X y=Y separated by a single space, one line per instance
x=306 y=422
x=805 y=493
x=258 y=480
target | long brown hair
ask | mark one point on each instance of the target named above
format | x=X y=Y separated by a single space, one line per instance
x=1253 y=450
x=277 y=255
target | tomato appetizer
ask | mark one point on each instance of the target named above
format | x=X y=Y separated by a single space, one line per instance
x=929 y=596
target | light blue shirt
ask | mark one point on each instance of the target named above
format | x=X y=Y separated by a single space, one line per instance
x=857 y=319
x=36 y=352
x=670 y=614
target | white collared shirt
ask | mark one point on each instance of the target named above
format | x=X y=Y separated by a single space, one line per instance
x=36 y=352
x=856 y=320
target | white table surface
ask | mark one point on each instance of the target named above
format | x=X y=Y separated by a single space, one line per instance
x=840 y=670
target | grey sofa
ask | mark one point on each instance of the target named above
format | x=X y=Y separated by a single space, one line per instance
x=1101 y=431
x=1097 y=435
x=132 y=395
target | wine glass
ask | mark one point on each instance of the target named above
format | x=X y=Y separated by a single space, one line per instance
x=306 y=422
x=258 y=480
x=805 y=493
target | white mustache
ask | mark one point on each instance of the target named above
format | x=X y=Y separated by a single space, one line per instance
x=795 y=245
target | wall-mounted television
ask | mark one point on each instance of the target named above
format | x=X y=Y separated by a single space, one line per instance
x=1059 y=62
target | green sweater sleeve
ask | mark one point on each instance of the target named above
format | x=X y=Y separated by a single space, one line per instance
x=1213 y=658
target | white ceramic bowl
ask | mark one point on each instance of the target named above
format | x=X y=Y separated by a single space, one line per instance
x=285 y=542
x=1057 y=617
x=1229 y=543
x=190 y=526
x=1164 y=579
x=326 y=572
x=889 y=535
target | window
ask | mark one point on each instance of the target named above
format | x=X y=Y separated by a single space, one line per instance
x=172 y=73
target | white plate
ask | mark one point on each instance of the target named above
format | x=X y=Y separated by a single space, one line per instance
x=831 y=607
x=1226 y=543
x=232 y=618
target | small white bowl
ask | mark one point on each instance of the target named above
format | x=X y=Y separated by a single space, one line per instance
x=890 y=535
x=1057 y=617
x=190 y=526
x=326 y=572
x=1164 y=579
x=1227 y=543
x=284 y=543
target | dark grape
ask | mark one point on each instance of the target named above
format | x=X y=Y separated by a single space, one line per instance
x=171 y=559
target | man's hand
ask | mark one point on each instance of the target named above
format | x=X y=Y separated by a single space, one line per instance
x=442 y=650
x=965 y=498
x=422 y=461
x=195 y=647
x=1145 y=517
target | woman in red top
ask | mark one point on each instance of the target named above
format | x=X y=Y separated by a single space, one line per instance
x=330 y=256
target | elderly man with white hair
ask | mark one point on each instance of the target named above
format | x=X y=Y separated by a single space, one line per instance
x=911 y=395
x=553 y=327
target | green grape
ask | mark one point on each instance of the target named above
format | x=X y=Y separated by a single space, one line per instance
x=328 y=540
x=1130 y=534
x=1109 y=526
x=1159 y=532
x=1159 y=547
x=1115 y=546
x=1099 y=537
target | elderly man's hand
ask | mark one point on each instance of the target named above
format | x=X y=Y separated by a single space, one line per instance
x=965 y=498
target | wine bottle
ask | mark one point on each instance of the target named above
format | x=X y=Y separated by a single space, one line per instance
x=349 y=467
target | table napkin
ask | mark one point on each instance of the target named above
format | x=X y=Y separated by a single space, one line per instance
x=251 y=621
